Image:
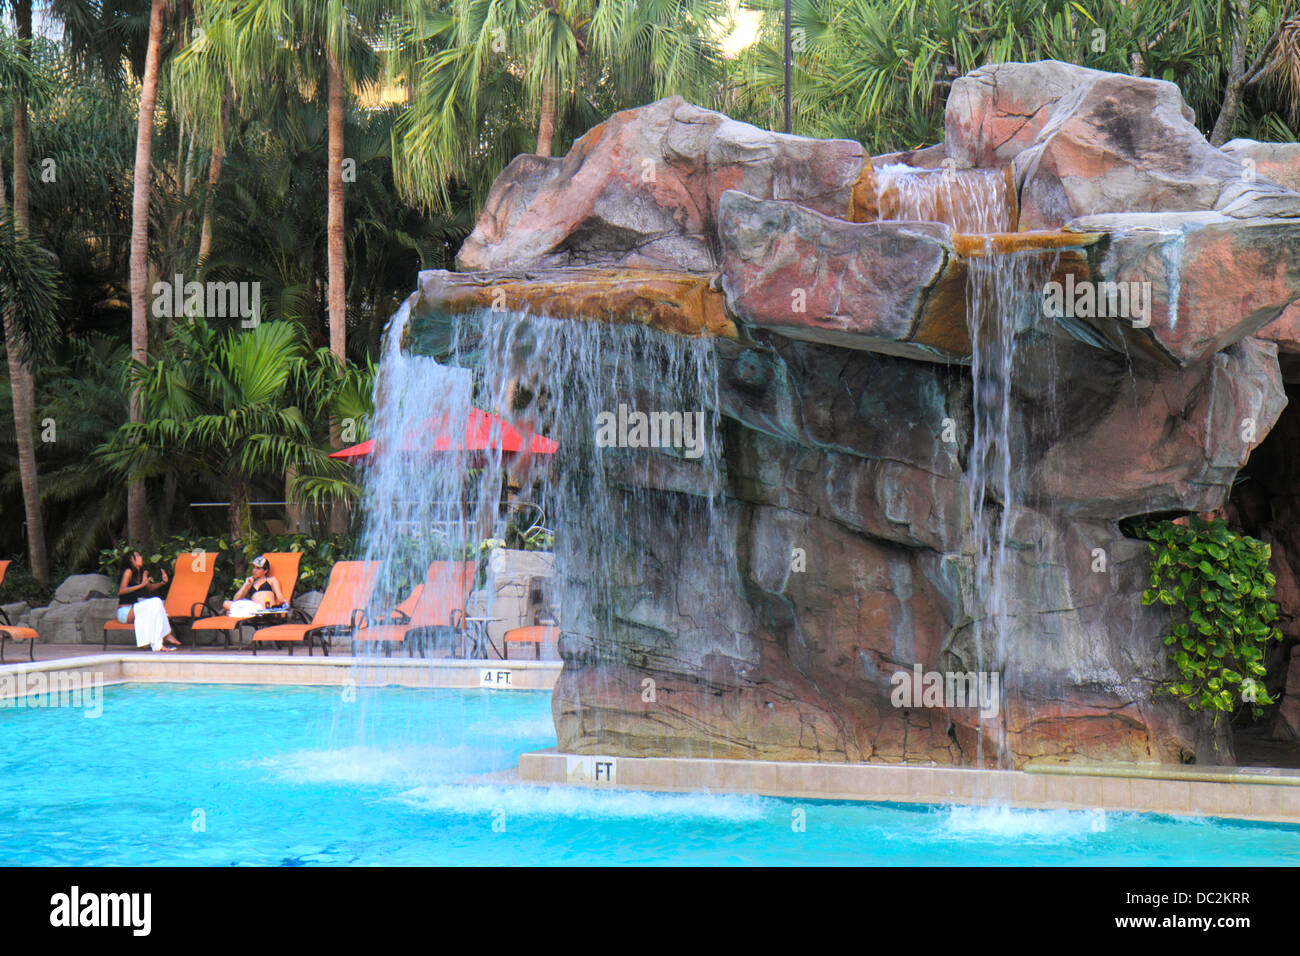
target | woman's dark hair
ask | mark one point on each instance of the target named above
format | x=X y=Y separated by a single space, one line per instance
x=127 y=565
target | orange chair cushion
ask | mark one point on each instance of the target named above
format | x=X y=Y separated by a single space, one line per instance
x=536 y=634
x=395 y=633
x=222 y=623
x=18 y=633
x=283 y=632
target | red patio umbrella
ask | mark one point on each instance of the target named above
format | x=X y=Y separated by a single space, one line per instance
x=479 y=436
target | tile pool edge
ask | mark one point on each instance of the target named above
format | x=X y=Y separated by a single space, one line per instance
x=25 y=679
x=1254 y=798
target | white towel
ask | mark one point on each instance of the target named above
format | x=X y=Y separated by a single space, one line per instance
x=151 y=624
x=245 y=608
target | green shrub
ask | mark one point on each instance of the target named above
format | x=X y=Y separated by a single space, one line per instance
x=1219 y=591
x=19 y=585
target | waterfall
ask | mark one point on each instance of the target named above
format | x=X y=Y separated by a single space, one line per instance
x=1003 y=299
x=635 y=413
x=423 y=501
x=968 y=200
x=616 y=478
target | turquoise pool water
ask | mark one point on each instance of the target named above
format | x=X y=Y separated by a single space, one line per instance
x=238 y=775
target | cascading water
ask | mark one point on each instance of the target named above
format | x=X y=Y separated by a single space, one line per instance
x=618 y=479
x=427 y=497
x=632 y=409
x=1003 y=297
x=968 y=200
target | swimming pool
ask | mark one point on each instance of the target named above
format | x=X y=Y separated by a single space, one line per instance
x=221 y=775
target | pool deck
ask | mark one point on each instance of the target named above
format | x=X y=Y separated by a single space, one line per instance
x=1269 y=794
x=24 y=678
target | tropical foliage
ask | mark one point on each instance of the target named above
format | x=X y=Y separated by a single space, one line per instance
x=880 y=72
x=1219 y=590
x=328 y=151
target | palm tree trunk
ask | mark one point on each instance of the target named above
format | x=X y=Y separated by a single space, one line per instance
x=137 y=518
x=22 y=191
x=235 y=511
x=214 y=178
x=22 y=382
x=338 y=293
x=546 y=122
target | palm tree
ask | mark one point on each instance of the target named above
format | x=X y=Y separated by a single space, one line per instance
x=1278 y=59
x=18 y=76
x=203 y=93
x=83 y=389
x=28 y=302
x=327 y=45
x=136 y=499
x=465 y=59
x=226 y=407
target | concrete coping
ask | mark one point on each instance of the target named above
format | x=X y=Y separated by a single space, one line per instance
x=1278 y=776
x=28 y=678
x=1272 y=798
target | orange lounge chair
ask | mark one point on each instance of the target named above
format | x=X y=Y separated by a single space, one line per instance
x=187 y=594
x=11 y=632
x=543 y=630
x=535 y=634
x=284 y=568
x=340 y=608
x=434 y=608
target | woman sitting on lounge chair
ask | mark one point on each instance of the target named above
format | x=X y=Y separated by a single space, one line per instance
x=135 y=603
x=257 y=593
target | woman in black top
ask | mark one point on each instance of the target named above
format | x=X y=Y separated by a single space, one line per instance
x=262 y=587
x=135 y=587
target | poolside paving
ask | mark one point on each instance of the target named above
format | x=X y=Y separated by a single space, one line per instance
x=16 y=652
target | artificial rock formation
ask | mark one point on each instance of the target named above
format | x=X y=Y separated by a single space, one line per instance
x=842 y=553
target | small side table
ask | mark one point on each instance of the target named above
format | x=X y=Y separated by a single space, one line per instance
x=478 y=636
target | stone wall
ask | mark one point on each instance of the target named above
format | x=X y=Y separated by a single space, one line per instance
x=843 y=551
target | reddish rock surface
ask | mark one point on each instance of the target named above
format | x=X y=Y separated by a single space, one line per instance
x=1284 y=331
x=1276 y=162
x=771 y=598
x=1128 y=145
x=892 y=287
x=1212 y=280
x=858 y=285
x=641 y=190
x=1155 y=439
x=995 y=112
x=1084 y=142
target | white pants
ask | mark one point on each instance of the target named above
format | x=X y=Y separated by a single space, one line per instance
x=151 y=624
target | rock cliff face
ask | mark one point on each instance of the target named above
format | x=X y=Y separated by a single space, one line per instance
x=851 y=486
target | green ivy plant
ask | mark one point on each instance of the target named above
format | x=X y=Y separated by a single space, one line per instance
x=1219 y=591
